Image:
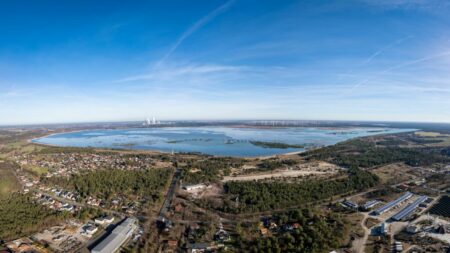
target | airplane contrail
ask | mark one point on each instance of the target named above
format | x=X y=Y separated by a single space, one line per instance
x=374 y=55
x=210 y=16
x=399 y=66
x=380 y=51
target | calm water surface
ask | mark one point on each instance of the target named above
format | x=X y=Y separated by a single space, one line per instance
x=222 y=141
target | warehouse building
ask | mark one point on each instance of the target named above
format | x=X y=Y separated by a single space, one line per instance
x=391 y=204
x=349 y=204
x=117 y=238
x=405 y=212
x=370 y=204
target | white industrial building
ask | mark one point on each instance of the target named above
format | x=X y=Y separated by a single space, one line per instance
x=104 y=220
x=194 y=187
x=117 y=238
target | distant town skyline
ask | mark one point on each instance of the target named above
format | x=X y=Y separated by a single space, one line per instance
x=361 y=60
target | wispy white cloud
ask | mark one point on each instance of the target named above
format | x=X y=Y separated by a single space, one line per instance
x=197 y=25
x=177 y=71
x=16 y=93
x=10 y=92
x=427 y=89
x=409 y=4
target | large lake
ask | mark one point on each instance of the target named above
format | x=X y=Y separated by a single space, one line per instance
x=221 y=141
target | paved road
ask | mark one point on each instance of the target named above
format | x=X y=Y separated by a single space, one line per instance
x=170 y=193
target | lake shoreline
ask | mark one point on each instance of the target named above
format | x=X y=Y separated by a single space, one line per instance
x=165 y=140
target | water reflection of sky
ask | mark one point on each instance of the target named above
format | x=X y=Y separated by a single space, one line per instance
x=227 y=141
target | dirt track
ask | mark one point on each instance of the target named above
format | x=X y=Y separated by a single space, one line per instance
x=279 y=174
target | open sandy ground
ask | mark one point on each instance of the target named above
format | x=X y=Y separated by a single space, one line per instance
x=278 y=174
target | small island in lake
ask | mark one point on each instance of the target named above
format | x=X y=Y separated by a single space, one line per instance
x=281 y=145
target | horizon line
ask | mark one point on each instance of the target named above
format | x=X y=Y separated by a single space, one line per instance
x=218 y=121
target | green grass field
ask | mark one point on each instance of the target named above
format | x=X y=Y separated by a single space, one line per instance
x=444 y=139
x=427 y=134
x=18 y=147
x=35 y=169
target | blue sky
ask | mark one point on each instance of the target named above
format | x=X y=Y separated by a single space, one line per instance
x=80 y=61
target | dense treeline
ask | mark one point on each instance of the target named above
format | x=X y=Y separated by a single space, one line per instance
x=20 y=216
x=256 y=196
x=445 y=151
x=382 y=192
x=8 y=181
x=210 y=170
x=316 y=233
x=107 y=183
x=362 y=153
x=270 y=164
